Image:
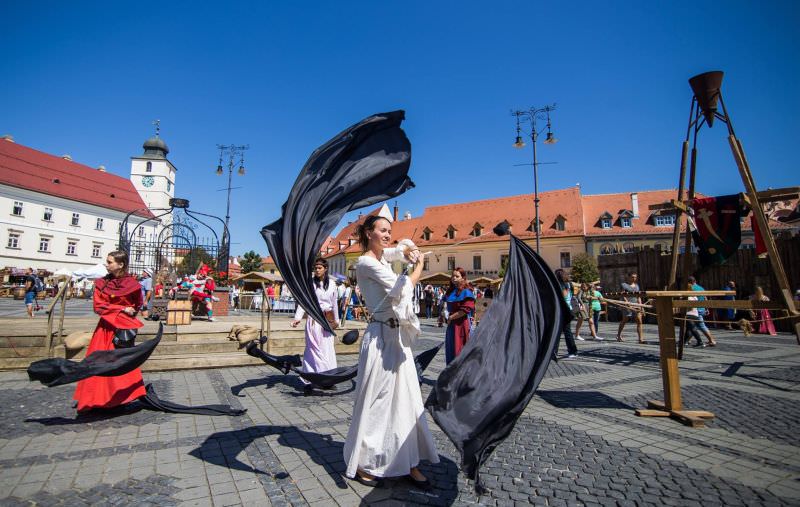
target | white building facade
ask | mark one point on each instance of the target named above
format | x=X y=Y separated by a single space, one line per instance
x=59 y=214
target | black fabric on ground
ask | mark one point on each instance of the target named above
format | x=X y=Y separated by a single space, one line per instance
x=102 y=363
x=281 y=363
x=363 y=165
x=153 y=402
x=344 y=373
x=481 y=394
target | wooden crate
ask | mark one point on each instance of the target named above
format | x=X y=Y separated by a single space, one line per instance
x=179 y=313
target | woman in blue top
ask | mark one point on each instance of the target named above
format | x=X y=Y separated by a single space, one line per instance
x=460 y=301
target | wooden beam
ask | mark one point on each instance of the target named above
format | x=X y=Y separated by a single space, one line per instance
x=741 y=304
x=687 y=293
x=668 y=354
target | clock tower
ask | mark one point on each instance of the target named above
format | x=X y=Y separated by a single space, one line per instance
x=153 y=175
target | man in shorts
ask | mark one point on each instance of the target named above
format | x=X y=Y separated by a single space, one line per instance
x=30 y=291
x=631 y=313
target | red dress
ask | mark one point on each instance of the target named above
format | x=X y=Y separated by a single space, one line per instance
x=111 y=295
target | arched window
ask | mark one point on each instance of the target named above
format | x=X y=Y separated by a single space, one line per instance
x=606 y=249
x=149 y=167
x=627 y=247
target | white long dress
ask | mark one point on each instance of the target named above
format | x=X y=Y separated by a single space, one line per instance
x=320 y=353
x=388 y=433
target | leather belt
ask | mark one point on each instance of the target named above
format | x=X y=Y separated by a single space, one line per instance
x=391 y=322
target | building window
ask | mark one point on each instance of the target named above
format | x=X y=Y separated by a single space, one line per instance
x=48 y=215
x=665 y=220
x=605 y=223
x=76 y=218
x=44 y=244
x=426 y=235
x=13 y=240
x=96 y=250
x=17 y=210
x=451 y=232
x=141 y=231
x=625 y=221
x=426 y=264
x=606 y=249
x=138 y=256
x=149 y=167
x=451 y=262
x=99 y=225
x=71 y=247
x=627 y=247
x=476 y=262
x=560 y=224
x=504 y=261
x=566 y=261
x=477 y=230
x=169 y=185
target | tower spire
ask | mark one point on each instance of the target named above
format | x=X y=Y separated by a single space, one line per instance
x=157 y=123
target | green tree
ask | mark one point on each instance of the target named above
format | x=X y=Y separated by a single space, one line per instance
x=584 y=269
x=503 y=267
x=250 y=262
x=194 y=258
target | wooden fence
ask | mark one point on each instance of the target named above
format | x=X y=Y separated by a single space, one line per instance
x=745 y=268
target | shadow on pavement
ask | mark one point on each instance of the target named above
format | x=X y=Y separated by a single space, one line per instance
x=581 y=399
x=397 y=491
x=92 y=416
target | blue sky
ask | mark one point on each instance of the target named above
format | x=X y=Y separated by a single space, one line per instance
x=88 y=78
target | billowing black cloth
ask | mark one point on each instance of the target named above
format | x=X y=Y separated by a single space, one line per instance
x=282 y=363
x=344 y=373
x=101 y=363
x=481 y=394
x=363 y=165
x=153 y=402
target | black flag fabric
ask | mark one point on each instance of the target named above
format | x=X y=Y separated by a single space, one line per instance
x=481 y=394
x=363 y=165
x=102 y=363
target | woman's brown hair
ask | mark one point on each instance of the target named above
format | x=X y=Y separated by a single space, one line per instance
x=120 y=257
x=363 y=229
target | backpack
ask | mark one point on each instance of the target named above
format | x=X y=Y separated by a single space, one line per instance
x=38 y=284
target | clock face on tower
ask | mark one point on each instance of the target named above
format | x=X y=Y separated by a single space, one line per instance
x=148 y=181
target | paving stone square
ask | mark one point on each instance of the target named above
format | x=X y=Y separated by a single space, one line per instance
x=578 y=442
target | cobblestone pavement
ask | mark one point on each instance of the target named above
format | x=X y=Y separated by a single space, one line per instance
x=578 y=442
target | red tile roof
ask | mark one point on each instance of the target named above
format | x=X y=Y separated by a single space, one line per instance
x=33 y=170
x=517 y=210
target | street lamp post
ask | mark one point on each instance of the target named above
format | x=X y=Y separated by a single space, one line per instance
x=232 y=151
x=531 y=115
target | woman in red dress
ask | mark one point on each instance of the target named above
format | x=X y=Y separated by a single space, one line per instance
x=460 y=301
x=117 y=299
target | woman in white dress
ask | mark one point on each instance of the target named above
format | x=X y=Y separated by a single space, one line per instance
x=388 y=434
x=320 y=354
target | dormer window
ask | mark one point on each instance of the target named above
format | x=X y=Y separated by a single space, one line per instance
x=426 y=234
x=451 y=232
x=664 y=220
x=560 y=223
x=625 y=222
x=532 y=226
x=149 y=167
x=606 y=220
x=477 y=229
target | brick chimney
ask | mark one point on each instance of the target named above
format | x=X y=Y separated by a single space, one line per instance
x=396 y=212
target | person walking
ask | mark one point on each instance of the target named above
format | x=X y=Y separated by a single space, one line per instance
x=430 y=300
x=632 y=285
x=388 y=434
x=117 y=299
x=567 y=294
x=460 y=300
x=701 y=323
x=32 y=284
x=585 y=296
x=320 y=353
x=596 y=308
x=692 y=317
